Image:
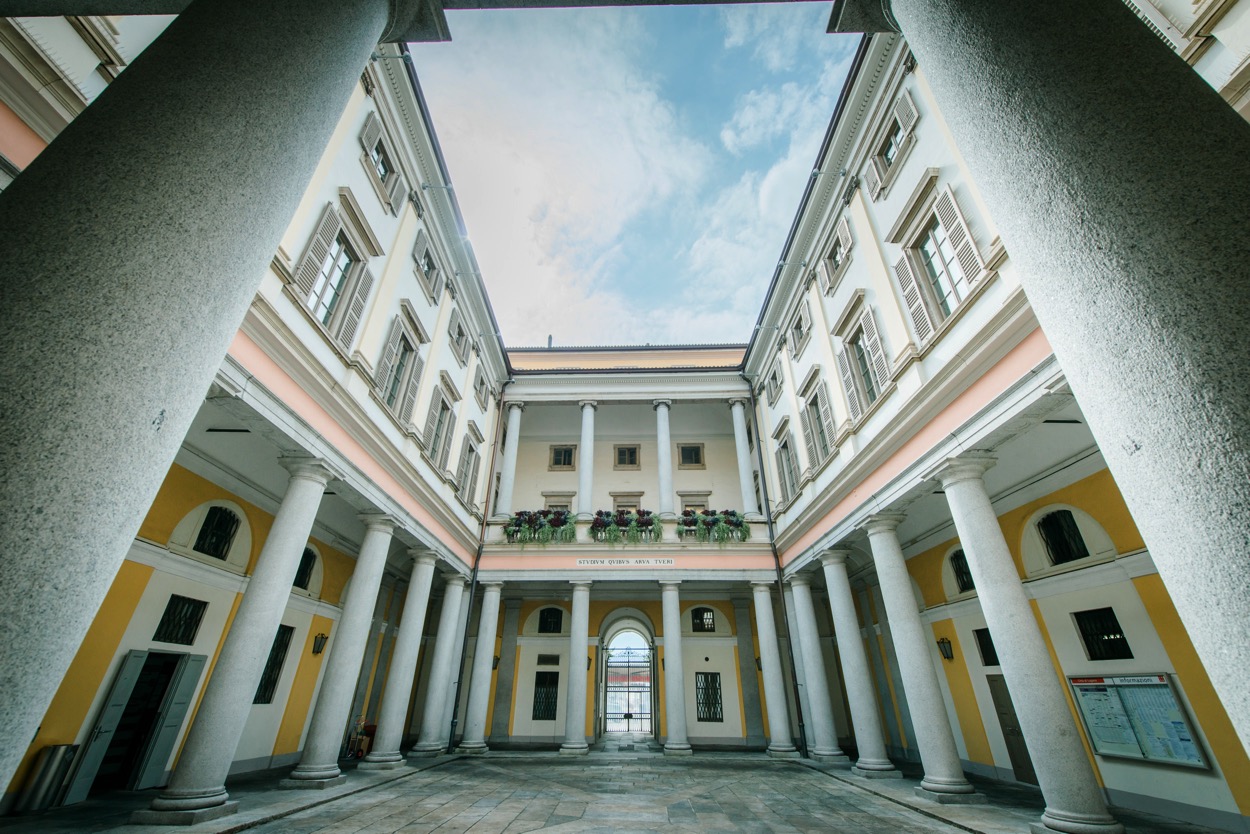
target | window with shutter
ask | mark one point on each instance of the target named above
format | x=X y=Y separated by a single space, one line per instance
x=399 y=372
x=893 y=142
x=848 y=384
x=462 y=468
x=783 y=481
x=914 y=299
x=380 y=162
x=876 y=352
x=940 y=266
x=793 y=458
x=327 y=230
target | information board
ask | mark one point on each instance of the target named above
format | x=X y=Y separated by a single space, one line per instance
x=1137 y=717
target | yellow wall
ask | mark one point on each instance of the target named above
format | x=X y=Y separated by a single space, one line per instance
x=73 y=698
x=300 y=699
x=965 y=700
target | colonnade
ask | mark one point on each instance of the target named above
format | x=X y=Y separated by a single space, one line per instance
x=584 y=504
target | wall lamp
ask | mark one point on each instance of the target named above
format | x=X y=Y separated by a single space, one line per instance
x=495 y=663
x=319 y=643
x=945 y=647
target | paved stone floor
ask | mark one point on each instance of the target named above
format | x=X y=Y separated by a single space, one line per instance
x=616 y=790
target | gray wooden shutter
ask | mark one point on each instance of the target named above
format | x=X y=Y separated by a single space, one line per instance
x=905 y=112
x=824 y=271
x=356 y=308
x=173 y=711
x=462 y=466
x=93 y=749
x=445 y=451
x=328 y=228
x=952 y=220
x=475 y=467
x=826 y=411
x=809 y=438
x=409 y=401
x=872 y=179
x=794 y=460
x=848 y=382
x=914 y=299
x=783 y=487
x=418 y=248
x=370 y=133
x=876 y=353
x=389 y=352
x=844 y=236
x=431 y=421
x=396 y=188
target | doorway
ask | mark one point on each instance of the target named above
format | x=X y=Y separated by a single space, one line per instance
x=627 y=689
x=1017 y=750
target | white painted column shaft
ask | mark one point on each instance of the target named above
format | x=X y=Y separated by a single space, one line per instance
x=429 y=742
x=824 y=735
x=677 y=743
x=474 y=740
x=586 y=460
x=575 y=704
x=398 y=691
x=746 y=481
x=779 y=740
x=457 y=671
x=507 y=469
x=943 y=772
x=869 y=737
x=1074 y=801
x=319 y=760
x=664 y=455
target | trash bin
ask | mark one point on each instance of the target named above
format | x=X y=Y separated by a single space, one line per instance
x=46 y=779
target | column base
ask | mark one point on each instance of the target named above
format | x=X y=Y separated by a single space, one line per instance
x=970 y=798
x=574 y=749
x=830 y=757
x=1071 y=823
x=876 y=774
x=387 y=764
x=293 y=784
x=473 y=748
x=149 y=816
x=427 y=751
x=678 y=749
x=783 y=753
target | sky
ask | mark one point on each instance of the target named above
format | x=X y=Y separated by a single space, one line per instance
x=628 y=175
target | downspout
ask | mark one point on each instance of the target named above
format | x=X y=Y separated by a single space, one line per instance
x=477 y=561
x=772 y=543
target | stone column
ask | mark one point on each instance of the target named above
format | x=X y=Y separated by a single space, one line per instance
x=445 y=642
x=474 y=740
x=664 y=454
x=586 y=459
x=1131 y=246
x=674 y=674
x=779 y=743
x=457 y=666
x=801 y=705
x=752 y=709
x=943 y=773
x=575 y=704
x=507 y=470
x=143 y=332
x=1074 y=800
x=869 y=737
x=746 y=481
x=398 y=691
x=197 y=790
x=318 y=766
x=507 y=670
x=824 y=735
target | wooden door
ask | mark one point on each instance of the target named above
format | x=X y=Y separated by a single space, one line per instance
x=1021 y=764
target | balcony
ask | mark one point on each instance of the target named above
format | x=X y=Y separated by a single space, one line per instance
x=557 y=529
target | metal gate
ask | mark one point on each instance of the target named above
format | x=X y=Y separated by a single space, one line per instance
x=627 y=691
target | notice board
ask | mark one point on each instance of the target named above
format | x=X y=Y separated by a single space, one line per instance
x=1137 y=717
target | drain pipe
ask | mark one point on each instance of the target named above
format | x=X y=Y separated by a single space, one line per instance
x=772 y=543
x=477 y=562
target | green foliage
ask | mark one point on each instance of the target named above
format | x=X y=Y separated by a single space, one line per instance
x=712 y=526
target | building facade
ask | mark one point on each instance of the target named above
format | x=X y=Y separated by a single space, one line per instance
x=882 y=531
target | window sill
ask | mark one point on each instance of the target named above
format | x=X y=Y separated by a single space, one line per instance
x=835 y=277
x=379 y=187
x=891 y=174
x=1069 y=567
x=377 y=398
x=872 y=409
x=321 y=329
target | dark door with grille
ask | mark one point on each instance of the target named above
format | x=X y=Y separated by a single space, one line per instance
x=627 y=691
x=1012 y=734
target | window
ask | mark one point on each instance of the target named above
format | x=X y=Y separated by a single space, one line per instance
x=800 y=329
x=333 y=279
x=690 y=456
x=399 y=371
x=989 y=655
x=1062 y=537
x=551 y=621
x=787 y=468
x=304 y=574
x=626 y=501
x=562 y=457
x=181 y=620
x=459 y=338
x=817 y=419
x=467 y=471
x=707 y=697
x=702 y=619
x=626 y=457
x=773 y=383
x=480 y=388
x=426 y=267
x=548 y=660
x=546 y=695
x=380 y=164
x=438 y=430
x=862 y=364
x=217 y=532
x=939 y=267
x=832 y=267
x=558 y=500
x=273 y=666
x=1102 y=635
x=963 y=576
x=894 y=140
x=755 y=480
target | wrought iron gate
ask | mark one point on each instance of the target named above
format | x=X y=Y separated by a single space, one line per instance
x=627 y=691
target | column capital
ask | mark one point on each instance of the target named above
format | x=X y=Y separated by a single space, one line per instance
x=742 y=401
x=669 y=583
x=963 y=468
x=454 y=579
x=308 y=468
x=496 y=585
x=762 y=586
x=420 y=556
x=578 y=584
x=584 y=404
x=882 y=523
x=800 y=580
x=657 y=403
x=378 y=521
x=835 y=556
x=517 y=404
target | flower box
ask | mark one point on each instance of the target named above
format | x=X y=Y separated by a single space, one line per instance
x=540 y=527
x=625 y=527
x=713 y=526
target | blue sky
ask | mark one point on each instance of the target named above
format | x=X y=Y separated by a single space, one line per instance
x=628 y=175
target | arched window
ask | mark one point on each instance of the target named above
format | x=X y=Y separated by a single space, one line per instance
x=306 y=564
x=551 y=621
x=963 y=576
x=217 y=532
x=702 y=619
x=1062 y=537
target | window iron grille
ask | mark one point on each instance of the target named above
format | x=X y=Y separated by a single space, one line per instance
x=703 y=619
x=546 y=694
x=707 y=694
x=1102 y=635
x=181 y=620
x=551 y=621
x=217 y=533
x=985 y=643
x=273 y=666
x=963 y=576
x=1062 y=537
